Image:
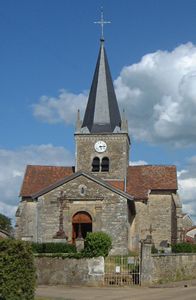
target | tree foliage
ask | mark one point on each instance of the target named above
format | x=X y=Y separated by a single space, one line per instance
x=17 y=271
x=5 y=223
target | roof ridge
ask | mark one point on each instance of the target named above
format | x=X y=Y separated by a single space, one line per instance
x=29 y=165
x=74 y=175
x=150 y=165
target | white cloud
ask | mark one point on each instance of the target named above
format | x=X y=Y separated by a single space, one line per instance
x=63 y=108
x=12 y=167
x=159 y=95
x=138 y=163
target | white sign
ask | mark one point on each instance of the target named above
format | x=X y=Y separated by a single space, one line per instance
x=117 y=269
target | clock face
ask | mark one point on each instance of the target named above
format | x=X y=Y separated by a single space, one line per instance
x=100 y=146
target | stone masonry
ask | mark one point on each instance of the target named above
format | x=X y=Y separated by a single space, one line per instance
x=117 y=152
x=56 y=271
x=109 y=212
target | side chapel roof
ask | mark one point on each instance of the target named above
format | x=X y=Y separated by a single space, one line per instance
x=140 y=179
x=37 y=178
x=143 y=179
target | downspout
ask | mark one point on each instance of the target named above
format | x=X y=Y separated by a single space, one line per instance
x=125 y=184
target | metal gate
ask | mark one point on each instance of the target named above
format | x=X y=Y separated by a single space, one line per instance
x=122 y=270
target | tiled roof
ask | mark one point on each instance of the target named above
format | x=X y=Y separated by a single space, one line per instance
x=142 y=179
x=37 y=178
x=88 y=176
x=118 y=184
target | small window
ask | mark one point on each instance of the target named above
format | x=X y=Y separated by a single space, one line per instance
x=82 y=189
x=96 y=164
x=105 y=164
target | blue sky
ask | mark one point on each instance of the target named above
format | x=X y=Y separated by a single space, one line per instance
x=48 y=53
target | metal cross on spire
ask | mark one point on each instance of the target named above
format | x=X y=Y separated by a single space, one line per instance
x=102 y=22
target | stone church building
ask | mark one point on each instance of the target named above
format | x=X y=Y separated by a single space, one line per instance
x=102 y=192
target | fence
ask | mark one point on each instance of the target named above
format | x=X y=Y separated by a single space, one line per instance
x=122 y=270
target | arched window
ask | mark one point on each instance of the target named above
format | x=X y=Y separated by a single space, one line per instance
x=96 y=164
x=105 y=164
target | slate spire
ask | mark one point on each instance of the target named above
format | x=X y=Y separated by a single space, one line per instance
x=102 y=113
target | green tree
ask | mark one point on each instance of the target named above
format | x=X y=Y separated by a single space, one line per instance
x=97 y=244
x=5 y=223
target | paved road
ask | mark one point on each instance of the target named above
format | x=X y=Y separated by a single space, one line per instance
x=131 y=293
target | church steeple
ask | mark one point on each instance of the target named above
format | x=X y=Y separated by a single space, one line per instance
x=102 y=113
x=102 y=139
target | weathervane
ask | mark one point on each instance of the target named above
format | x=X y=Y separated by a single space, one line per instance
x=102 y=22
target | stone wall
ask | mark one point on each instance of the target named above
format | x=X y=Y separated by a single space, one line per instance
x=173 y=267
x=163 y=268
x=160 y=208
x=157 y=217
x=89 y=272
x=26 y=220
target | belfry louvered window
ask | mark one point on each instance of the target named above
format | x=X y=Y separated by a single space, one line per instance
x=105 y=164
x=96 y=164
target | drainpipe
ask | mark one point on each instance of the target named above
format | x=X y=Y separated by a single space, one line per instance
x=125 y=184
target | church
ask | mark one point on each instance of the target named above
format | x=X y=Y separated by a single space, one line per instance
x=102 y=192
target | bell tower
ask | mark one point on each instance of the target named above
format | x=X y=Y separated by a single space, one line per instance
x=102 y=139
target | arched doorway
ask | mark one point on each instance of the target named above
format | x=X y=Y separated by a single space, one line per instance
x=81 y=224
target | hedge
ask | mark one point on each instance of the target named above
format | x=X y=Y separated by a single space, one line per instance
x=77 y=255
x=53 y=248
x=95 y=244
x=184 y=248
x=17 y=271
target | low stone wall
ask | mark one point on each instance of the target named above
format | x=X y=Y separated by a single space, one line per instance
x=173 y=267
x=155 y=268
x=53 y=270
x=163 y=268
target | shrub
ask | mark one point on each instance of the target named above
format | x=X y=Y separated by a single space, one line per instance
x=184 y=248
x=97 y=244
x=154 y=249
x=53 y=248
x=17 y=272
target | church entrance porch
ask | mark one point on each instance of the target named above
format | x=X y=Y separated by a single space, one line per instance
x=81 y=224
